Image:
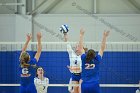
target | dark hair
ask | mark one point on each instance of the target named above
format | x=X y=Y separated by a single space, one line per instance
x=90 y=55
x=37 y=69
x=24 y=58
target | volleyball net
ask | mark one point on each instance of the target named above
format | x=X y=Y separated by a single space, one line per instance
x=119 y=70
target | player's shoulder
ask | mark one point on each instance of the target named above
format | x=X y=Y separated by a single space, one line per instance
x=36 y=78
x=79 y=56
x=69 y=45
x=83 y=56
x=98 y=58
x=34 y=59
x=46 y=78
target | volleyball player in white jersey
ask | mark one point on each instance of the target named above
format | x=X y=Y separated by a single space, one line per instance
x=75 y=65
x=40 y=81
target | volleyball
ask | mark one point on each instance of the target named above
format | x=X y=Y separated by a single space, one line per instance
x=64 y=28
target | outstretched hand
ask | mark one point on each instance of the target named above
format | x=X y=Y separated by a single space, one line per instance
x=29 y=36
x=82 y=31
x=39 y=35
x=106 y=33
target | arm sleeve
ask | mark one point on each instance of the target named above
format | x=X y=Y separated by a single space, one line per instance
x=98 y=58
x=83 y=56
x=33 y=61
x=70 y=50
x=71 y=53
x=47 y=81
x=35 y=81
x=82 y=59
x=81 y=66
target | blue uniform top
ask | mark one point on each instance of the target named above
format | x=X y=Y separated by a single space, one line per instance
x=28 y=74
x=90 y=70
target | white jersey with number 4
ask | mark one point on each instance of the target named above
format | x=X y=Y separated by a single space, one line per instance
x=41 y=85
x=75 y=61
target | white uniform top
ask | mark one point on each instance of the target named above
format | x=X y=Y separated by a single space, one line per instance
x=41 y=85
x=75 y=61
x=138 y=91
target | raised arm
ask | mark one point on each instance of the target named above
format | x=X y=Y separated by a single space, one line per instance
x=103 y=44
x=80 y=45
x=29 y=37
x=65 y=37
x=39 y=46
x=69 y=48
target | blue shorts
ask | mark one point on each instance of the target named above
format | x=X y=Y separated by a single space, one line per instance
x=76 y=76
x=90 y=87
x=28 y=89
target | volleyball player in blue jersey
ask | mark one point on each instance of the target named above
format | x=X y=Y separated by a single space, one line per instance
x=90 y=66
x=28 y=67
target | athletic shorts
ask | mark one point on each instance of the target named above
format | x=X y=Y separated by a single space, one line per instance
x=76 y=77
x=90 y=87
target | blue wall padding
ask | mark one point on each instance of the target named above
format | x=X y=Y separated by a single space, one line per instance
x=116 y=68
